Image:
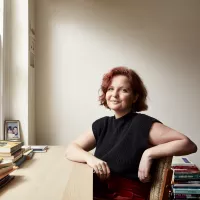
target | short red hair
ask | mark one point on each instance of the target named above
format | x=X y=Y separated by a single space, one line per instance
x=136 y=83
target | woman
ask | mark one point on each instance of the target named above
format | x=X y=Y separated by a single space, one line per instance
x=127 y=143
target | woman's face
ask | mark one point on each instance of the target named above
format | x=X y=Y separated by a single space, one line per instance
x=15 y=131
x=119 y=96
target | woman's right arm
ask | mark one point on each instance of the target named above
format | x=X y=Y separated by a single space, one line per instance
x=78 y=151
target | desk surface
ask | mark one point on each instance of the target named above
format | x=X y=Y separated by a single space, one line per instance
x=50 y=176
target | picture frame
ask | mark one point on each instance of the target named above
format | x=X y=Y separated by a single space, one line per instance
x=12 y=130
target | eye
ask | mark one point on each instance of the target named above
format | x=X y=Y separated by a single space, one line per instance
x=110 y=89
x=124 y=90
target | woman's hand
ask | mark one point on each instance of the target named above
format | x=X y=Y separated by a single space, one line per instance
x=100 y=167
x=144 y=167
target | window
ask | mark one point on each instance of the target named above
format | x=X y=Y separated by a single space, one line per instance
x=1 y=67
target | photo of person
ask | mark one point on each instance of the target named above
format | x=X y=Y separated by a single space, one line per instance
x=12 y=130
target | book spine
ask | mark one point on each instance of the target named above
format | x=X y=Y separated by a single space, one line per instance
x=183 y=165
x=17 y=153
x=20 y=161
x=181 y=180
x=186 y=196
x=10 y=178
x=186 y=173
x=187 y=182
x=186 y=191
x=187 y=176
x=186 y=187
x=5 y=169
x=193 y=166
x=194 y=198
x=30 y=155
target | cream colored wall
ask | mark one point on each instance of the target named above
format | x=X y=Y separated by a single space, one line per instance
x=78 y=41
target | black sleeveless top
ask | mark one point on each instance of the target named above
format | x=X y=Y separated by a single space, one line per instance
x=121 y=142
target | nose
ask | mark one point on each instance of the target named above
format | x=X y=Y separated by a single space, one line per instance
x=115 y=93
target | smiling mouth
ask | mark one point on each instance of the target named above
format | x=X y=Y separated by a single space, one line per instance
x=114 y=101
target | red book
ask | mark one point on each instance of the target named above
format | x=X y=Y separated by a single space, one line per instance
x=194 y=167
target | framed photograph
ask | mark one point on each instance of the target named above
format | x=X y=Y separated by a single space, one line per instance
x=12 y=130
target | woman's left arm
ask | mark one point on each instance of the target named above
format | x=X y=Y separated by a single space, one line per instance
x=165 y=142
x=168 y=142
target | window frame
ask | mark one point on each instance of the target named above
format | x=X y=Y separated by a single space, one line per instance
x=4 y=65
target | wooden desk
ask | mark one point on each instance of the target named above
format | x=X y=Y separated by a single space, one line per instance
x=50 y=176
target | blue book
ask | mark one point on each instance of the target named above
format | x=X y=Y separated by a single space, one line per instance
x=20 y=161
x=186 y=191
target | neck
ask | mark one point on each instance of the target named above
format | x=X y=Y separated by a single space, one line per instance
x=121 y=114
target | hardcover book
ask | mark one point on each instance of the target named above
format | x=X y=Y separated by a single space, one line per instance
x=5 y=163
x=20 y=161
x=181 y=161
x=25 y=148
x=8 y=146
x=5 y=169
x=40 y=148
x=6 y=180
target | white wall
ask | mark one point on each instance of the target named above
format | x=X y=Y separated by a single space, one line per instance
x=79 y=41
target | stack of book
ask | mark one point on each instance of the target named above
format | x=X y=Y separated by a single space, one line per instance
x=6 y=167
x=11 y=151
x=27 y=152
x=186 y=179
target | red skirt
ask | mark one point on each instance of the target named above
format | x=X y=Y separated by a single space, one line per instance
x=119 y=188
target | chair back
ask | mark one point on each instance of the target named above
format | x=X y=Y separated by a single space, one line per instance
x=161 y=180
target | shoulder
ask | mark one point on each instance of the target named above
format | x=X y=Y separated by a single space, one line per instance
x=101 y=122
x=102 y=119
x=146 y=118
x=145 y=122
x=99 y=125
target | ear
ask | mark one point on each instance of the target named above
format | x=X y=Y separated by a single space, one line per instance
x=135 y=98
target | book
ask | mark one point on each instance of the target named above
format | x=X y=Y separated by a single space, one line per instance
x=186 y=190
x=3 y=179
x=27 y=152
x=5 y=169
x=6 y=180
x=181 y=161
x=30 y=155
x=187 y=176
x=187 y=196
x=3 y=154
x=13 y=156
x=25 y=148
x=17 y=158
x=7 y=173
x=20 y=161
x=186 y=185
x=5 y=163
x=178 y=167
x=185 y=171
x=186 y=182
x=39 y=148
x=8 y=146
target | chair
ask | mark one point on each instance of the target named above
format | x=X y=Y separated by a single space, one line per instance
x=161 y=179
